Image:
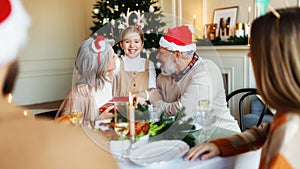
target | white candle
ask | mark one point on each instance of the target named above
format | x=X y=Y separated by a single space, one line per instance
x=194 y=20
x=249 y=10
x=131 y=117
x=9 y=98
x=92 y=108
x=147 y=54
x=25 y=113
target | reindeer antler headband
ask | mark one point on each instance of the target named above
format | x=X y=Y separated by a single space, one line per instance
x=139 y=23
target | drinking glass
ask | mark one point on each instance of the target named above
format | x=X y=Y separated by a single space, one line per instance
x=202 y=113
x=76 y=117
x=121 y=124
x=203 y=120
x=121 y=112
x=154 y=113
x=76 y=112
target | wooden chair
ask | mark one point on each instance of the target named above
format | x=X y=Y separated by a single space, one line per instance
x=257 y=118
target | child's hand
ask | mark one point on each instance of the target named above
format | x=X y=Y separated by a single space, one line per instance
x=205 y=151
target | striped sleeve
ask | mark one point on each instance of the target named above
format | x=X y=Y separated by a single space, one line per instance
x=251 y=139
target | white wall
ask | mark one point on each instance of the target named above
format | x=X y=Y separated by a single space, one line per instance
x=204 y=10
x=46 y=63
x=243 y=7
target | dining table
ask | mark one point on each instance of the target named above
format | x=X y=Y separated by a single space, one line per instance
x=249 y=160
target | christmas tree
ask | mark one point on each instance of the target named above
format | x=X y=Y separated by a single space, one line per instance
x=108 y=20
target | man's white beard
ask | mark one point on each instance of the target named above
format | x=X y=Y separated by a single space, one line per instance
x=169 y=68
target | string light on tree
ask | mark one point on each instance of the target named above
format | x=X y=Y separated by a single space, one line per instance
x=151 y=8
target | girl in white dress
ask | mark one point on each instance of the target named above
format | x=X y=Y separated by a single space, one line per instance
x=134 y=73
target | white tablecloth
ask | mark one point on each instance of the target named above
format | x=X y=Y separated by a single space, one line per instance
x=248 y=160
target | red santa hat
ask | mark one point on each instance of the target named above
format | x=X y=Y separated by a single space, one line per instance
x=14 y=24
x=178 y=39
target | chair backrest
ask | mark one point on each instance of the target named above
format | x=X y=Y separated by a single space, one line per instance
x=244 y=93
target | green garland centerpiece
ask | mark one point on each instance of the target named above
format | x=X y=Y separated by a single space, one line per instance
x=232 y=40
x=171 y=128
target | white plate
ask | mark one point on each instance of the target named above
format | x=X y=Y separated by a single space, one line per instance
x=117 y=146
x=102 y=127
x=159 y=152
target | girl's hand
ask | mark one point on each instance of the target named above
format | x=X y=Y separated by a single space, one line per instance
x=204 y=151
x=106 y=114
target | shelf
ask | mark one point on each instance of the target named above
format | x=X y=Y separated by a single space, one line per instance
x=225 y=47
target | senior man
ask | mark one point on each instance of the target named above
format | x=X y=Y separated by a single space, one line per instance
x=187 y=78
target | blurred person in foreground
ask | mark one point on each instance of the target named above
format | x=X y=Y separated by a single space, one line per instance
x=275 y=55
x=26 y=142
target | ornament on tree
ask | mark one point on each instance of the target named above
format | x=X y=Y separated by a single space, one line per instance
x=113 y=22
x=151 y=9
x=116 y=8
x=96 y=10
x=111 y=9
x=148 y=31
x=104 y=21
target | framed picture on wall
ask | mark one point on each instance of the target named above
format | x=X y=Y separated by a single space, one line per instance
x=225 y=18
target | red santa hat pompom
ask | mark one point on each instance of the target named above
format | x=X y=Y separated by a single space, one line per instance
x=178 y=39
x=14 y=24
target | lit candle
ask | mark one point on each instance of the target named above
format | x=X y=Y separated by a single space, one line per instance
x=249 y=10
x=194 y=20
x=147 y=54
x=131 y=117
x=25 y=113
x=9 y=98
